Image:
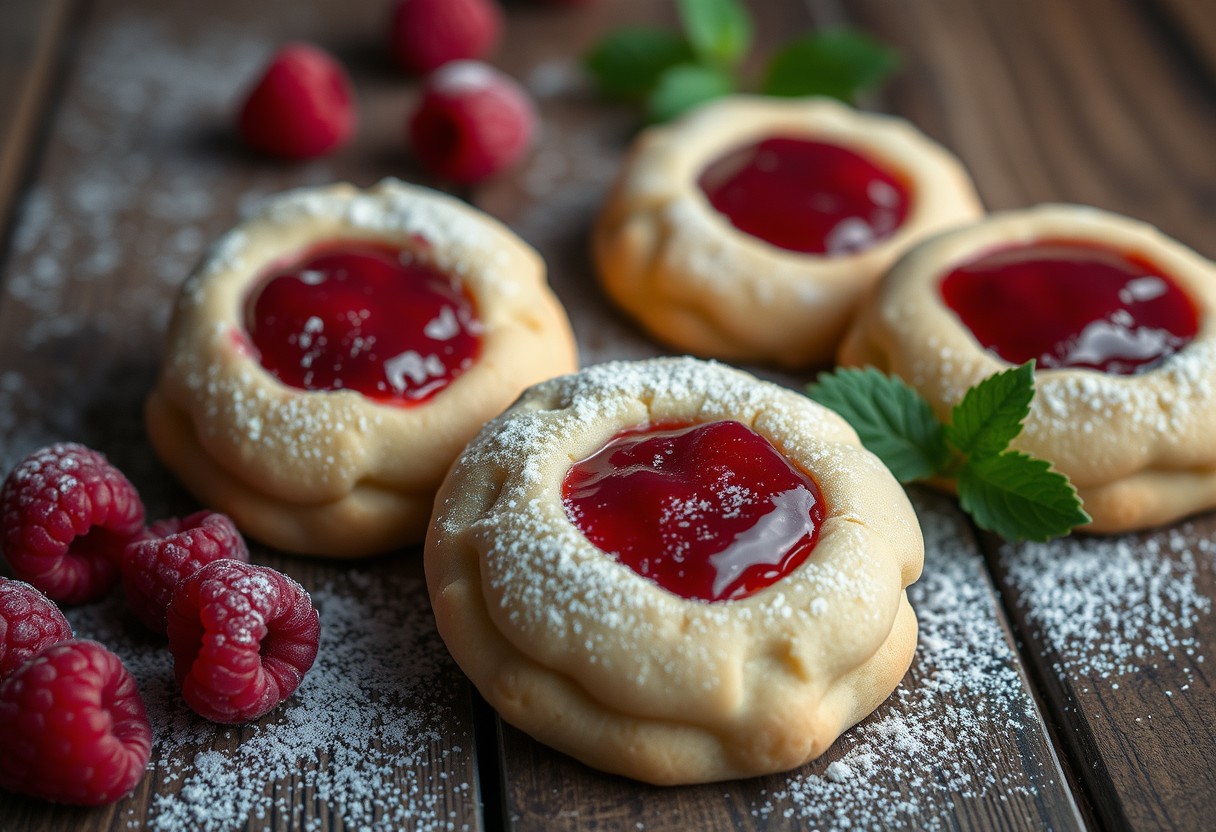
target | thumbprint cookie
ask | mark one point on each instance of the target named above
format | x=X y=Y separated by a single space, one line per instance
x=1120 y=321
x=750 y=229
x=671 y=570
x=334 y=353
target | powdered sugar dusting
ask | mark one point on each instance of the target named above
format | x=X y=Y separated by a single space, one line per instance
x=951 y=731
x=134 y=188
x=1110 y=607
x=463 y=77
x=533 y=569
x=369 y=736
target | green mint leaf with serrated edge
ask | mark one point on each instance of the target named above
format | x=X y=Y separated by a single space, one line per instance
x=629 y=62
x=991 y=413
x=683 y=87
x=839 y=63
x=1019 y=497
x=891 y=418
x=719 y=30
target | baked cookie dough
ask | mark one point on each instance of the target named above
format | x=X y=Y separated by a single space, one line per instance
x=853 y=190
x=581 y=651
x=265 y=435
x=1125 y=402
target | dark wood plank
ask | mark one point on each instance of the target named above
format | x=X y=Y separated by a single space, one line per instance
x=30 y=32
x=1120 y=631
x=1192 y=23
x=140 y=173
x=1048 y=101
x=1089 y=102
x=933 y=755
x=959 y=745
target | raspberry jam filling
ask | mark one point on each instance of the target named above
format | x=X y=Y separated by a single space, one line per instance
x=710 y=512
x=366 y=317
x=1072 y=304
x=806 y=196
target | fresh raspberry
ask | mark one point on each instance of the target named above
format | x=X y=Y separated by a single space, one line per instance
x=242 y=637
x=426 y=34
x=301 y=107
x=472 y=122
x=74 y=726
x=66 y=514
x=174 y=550
x=29 y=622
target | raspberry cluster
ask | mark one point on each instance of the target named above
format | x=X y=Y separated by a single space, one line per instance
x=75 y=728
x=471 y=122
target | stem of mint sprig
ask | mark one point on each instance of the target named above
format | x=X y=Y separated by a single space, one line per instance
x=1007 y=492
x=670 y=72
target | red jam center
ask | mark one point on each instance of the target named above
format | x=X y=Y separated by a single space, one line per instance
x=711 y=512
x=806 y=196
x=1069 y=304
x=363 y=317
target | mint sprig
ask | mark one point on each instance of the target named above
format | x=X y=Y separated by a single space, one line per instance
x=720 y=31
x=891 y=418
x=671 y=72
x=1008 y=492
x=629 y=62
x=838 y=62
x=684 y=87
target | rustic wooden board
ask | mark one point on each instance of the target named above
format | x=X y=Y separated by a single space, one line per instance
x=1088 y=102
x=959 y=745
x=971 y=756
x=141 y=172
x=1192 y=23
x=1047 y=101
x=1120 y=632
x=30 y=33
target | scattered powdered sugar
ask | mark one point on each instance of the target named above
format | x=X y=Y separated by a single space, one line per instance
x=134 y=183
x=464 y=77
x=1109 y=607
x=540 y=560
x=951 y=731
x=362 y=739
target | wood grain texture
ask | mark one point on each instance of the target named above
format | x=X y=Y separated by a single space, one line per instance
x=1050 y=102
x=1081 y=101
x=955 y=768
x=1193 y=24
x=1120 y=631
x=1090 y=102
x=30 y=32
x=140 y=173
x=959 y=745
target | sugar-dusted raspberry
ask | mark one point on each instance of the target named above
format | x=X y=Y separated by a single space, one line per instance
x=74 y=726
x=66 y=514
x=29 y=622
x=301 y=107
x=426 y=34
x=174 y=550
x=242 y=638
x=473 y=121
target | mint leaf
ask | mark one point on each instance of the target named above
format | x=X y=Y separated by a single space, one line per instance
x=891 y=418
x=628 y=62
x=1019 y=497
x=683 y=87
x=839 y=63
x=720 y=30
x=991 y=413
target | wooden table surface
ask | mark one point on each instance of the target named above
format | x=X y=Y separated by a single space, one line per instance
x=1058 y=686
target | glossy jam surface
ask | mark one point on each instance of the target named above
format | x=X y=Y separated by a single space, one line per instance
x=1072 y=304
x=711 y=511
x=363 y=317
x=806 y=196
